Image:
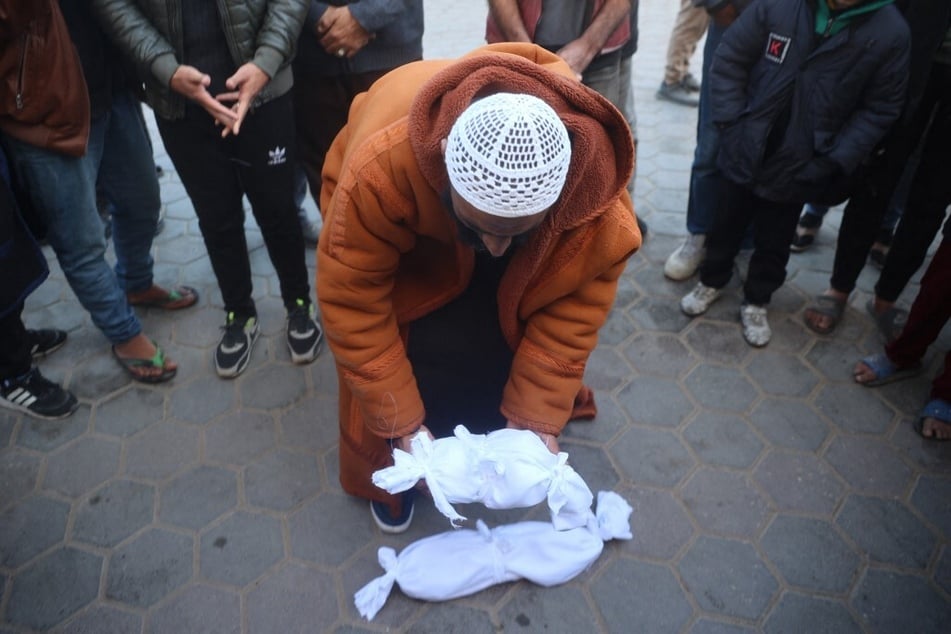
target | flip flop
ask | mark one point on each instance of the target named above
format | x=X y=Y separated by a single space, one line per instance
x=825 y=306
x=886 y=371
x=935 y=408
x=157 y=297
x=157 y=361
x=890 y=323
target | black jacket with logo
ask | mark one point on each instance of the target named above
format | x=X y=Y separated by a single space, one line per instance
x=799 y=110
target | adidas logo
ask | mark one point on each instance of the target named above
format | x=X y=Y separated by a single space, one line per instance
x=277 y=156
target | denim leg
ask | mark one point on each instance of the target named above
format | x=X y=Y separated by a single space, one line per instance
x=62 y=190
x=128 y=180
x=706 y=182
x=815 y=209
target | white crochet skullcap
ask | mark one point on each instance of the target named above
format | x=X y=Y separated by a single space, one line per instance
x=508 y=155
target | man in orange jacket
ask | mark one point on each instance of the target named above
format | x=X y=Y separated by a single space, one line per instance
x=476 y=224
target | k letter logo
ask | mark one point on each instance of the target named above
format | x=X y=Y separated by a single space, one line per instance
x=776 y=47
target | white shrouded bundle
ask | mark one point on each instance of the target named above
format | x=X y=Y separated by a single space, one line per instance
x=504 y=469
x=462 y=562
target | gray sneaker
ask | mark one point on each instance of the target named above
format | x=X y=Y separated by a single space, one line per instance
x=697 y=301
x=690 y=83
x=683 y=262
x=756 y=329
x=677 y=93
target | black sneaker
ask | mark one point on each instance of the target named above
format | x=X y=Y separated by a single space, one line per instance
x=234 y=349
x=385 y=520
x=36 y=395
x=45 y=341
x=304 y=335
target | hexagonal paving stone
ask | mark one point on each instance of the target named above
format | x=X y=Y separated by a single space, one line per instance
x=242 y=547
x=629 y=592
x=830 y=565
x=855 y=408
x=96 y=375
x=273 y=386
x=611 y=419
x=114 y=512
x=47 y=435
x=727 y=577
x=198 y=496
x=817 y=489
x=942 y=574
x=781 y=374
x=724 y=502
x=627 y=291
x=281 y=480
x=718 y=342
x=311 y=424
x=161 y=450
x=708 y=626
x=240 y=437
x=200 y=608
x=887 y=531
x=660 y=354
x=51 y=589
x=315 y=529
x=721 y=388
x=295 y=599
x=398 y=608
x=29 y=528
x=723 y=439
x=799 y=613
x=606 y=369
x=204 y=399
x=593 y=465
x=103 y=619
x=655 y=401
x=660 y=524
x=835 y=357
x=82 y=466
x=446 y=617
x=149 y=567
x=7 y=422
x=790 y=424
x=616 y=329
x=869 y=465
x=534 y=609
x=932 y=498
x=891 y=602
x=650 y=456
x=18 y=472
x=130 y=412
x=659 y=313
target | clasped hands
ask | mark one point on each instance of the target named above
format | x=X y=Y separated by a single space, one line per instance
x=242 y=87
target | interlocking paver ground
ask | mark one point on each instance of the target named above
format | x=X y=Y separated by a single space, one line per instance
x=770 y=493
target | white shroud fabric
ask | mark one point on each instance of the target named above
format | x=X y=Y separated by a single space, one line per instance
x=504 y=469
x=462 y=562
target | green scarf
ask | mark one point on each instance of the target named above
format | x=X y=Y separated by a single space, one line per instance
x=828 y=25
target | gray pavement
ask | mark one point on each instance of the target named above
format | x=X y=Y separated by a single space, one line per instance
x=770 y=493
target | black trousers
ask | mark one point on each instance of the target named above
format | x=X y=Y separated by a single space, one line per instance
x=873 y=191
x=929 y=197
x=773 y=225
x=15 y=358
x=216 y=172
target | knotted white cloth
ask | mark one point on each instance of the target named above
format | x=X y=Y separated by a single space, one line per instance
x=462 y=562
x=504 y=469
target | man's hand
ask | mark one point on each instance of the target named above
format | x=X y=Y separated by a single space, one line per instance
x=244 y=85
x=339 y=32
x=578 y=55
x=404 y=442
x=551 y=441
x=193 y=84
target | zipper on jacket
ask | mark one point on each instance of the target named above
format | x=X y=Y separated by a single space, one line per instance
x=20 y=73
x=829 y=25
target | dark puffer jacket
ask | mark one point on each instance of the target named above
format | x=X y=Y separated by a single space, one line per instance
x=150 y=31
x=798 y=108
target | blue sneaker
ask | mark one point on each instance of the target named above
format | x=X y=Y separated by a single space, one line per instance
x=385 y=520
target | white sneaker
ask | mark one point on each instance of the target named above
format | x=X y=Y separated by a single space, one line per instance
x=755 y=326
x=683 y=262
x=697 y=301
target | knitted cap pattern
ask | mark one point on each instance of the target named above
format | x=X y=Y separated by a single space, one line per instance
x=508 y=155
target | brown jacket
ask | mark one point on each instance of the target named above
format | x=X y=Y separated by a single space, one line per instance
x=43 y=98
x=389 y=251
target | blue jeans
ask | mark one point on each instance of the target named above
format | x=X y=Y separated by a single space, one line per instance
x=706 y=183
x=63 y=192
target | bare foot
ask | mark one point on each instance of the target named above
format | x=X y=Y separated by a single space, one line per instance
x=936 y=429
x=141 y=347
x=862 y=373
x=821 y=322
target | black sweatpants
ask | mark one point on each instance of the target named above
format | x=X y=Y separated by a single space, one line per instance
x=216 y=172
x=15 y=358
x=773 y=225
